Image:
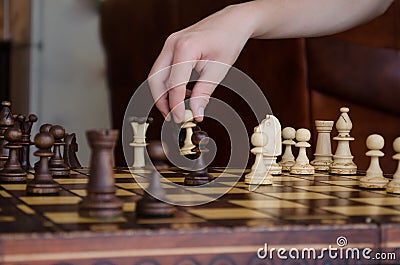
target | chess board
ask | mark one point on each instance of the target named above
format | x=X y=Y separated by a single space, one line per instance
x=295 y=212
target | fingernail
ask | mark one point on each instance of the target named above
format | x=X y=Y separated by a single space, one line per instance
x=200 y=113
x=168 y=117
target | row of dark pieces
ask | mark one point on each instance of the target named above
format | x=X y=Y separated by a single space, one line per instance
x=15 y=142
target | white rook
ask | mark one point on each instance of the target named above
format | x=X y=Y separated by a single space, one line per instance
x=139 y=127
x=323 y=150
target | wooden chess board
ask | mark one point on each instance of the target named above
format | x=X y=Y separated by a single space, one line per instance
x=295 y=212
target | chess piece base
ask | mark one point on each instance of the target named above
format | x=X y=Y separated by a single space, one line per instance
x=59 y=172
x=343 y=169
x=393 y=187
x=196 y=180
x=286 y=166
x=12 y=175
x=302 y=170
x=42 y=188
x=153 y=208
x=321 y=165
x=252 y=179
x=100 y=206
x=373 y=182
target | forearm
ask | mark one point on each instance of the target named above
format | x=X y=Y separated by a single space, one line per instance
x=272 y=19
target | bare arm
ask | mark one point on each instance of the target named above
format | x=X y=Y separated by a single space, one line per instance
x=221 y=37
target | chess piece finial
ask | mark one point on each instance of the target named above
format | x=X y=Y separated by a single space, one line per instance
x=259 y=174
x=45 y=127
x=302 y=165
x=343 y=159
x=57 y=165
x=199 y=175
x=152 y=204
x=43 y=183
x=6 y=121
x=394 y=185
x=374 y=178
x=288 y=134
x=12 y=170
x=101 y=201
x=323 y=150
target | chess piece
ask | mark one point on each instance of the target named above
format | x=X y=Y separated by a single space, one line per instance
x=394 y=185
x=152 y=204
x=43 y=183
x=44 y=128
x=12 y=170
x=6 y=121
x=323 y=150
x=188 y=125
x=287 y=161
x=343 y=159
x=157 y=155
x=101 y=201
x=200 y=174
x=259 y=174
x=374 y=178
x=302 y=165
x=271 y=127
x=25 y=125
x=70 y=150
x=139 y=127
x=56 y=163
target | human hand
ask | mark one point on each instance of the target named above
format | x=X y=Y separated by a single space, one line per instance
x=219 y=37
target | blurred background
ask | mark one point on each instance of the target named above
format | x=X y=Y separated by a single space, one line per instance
x=77 y=62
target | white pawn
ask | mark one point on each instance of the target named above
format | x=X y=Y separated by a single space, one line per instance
x=302 y=165
x=188 y=125
x=373 y=178
x=287 y=161
x=394 y=185
x=343 y=159
x=259 y=174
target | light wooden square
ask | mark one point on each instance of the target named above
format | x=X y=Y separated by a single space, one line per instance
x=300 y=195
x=73 y=218
x=327 y=188
x=228 y=213
x=368 y=210
x=268 y=204
x=50 y=200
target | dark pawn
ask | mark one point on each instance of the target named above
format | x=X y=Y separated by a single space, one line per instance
x=43 y=183
x=25 y=125
x=6 y=121
x=101 y=201
x=149 y=206
x=56 y=164
x=157 y=155
x=200 y=176
x=12 y=171
x=43 y=128
x=70 y=150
